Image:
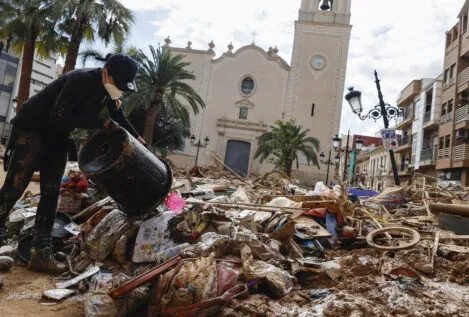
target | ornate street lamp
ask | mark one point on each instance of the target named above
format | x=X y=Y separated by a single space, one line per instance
x=358 y=146
x=329 y=162
x=335 y=142
x=199 y=145
x=381 y=110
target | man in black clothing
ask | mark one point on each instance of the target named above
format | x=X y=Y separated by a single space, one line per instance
x=40 y=141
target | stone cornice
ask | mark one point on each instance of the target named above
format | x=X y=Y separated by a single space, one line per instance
x=280 y=61
x=190 y=50
x=323 y=28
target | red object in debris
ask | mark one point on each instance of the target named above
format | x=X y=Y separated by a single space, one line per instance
x=321 y=213
x=77 y=184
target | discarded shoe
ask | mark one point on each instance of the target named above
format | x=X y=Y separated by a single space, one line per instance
x=43 y=260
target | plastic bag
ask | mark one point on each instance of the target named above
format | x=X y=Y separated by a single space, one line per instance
x=226 y=278
x=239 y=196
x=211 y=242
x=103 y=237
x=100 y=305
x=199 y=276
x=101 y=282
x=278 y=281
x=282 y=202
x=152 y=238
x=175 y=203
x=59 y=294
x=69 y=203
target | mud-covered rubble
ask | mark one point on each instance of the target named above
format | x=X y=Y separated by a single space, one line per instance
x=224 y=245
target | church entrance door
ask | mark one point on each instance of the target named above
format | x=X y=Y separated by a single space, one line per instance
x=237 y=156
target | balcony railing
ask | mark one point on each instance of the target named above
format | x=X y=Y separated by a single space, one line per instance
x=462 y=113
x=451 y=81
x=463 y=76
x=443 y=153
x=427 y=116
x=427 y=155
x=446 y=117
x=461 y=152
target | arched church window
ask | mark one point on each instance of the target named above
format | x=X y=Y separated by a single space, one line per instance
x=247 y=86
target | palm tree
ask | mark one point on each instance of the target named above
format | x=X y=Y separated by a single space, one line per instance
x=283 y=144
x=108 y=19
x=30 y=27
x=100 y=57
x=169 y=134
x=162 y=83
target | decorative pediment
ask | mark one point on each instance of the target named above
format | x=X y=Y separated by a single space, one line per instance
x=244 y=103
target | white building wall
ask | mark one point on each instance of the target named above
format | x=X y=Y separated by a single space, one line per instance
x=437 y=93
x=44 y=72
x=417 y=130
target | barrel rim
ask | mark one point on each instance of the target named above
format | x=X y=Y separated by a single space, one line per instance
x=118 y=160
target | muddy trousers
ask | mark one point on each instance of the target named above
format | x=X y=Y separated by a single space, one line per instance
x=48 y=156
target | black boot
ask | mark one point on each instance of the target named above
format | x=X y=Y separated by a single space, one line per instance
x=43 y=260
x=42 y=257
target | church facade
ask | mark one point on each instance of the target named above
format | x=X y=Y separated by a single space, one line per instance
x=247 y=89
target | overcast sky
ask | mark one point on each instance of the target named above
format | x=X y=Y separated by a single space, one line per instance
x=402 y=39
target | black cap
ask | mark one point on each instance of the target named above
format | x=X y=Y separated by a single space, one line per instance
x=123 y=70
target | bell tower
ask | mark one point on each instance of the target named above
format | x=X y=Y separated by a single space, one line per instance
x=316 y=80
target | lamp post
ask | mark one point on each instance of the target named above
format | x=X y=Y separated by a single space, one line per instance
x=199 y=145
x=383 y=110
x=358 y=145
x=329 y=163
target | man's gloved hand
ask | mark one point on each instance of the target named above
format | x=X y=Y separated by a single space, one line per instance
x=110 y=124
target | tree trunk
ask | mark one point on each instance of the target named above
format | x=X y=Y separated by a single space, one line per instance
x=75 y=41
x=288 y=169
x=26 y=69
x=150 y=120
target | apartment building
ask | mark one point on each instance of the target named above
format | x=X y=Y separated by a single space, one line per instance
x=425 y=127
x=453 y=133
x=45 y=70
x=407 y=102
x=374 y=169
x=369 y=142
x=9 y=71
x=420 y=101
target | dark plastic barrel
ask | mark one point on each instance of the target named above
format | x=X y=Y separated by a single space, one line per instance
x=126 y=170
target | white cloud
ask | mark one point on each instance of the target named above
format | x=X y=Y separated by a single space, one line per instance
x=402 y=39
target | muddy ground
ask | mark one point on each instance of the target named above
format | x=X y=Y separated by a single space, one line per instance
x=22 y=290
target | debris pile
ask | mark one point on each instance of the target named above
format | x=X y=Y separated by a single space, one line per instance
x=224 y=245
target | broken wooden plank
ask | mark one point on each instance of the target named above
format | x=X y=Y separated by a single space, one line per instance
x=91 y=210
x=453 y=248
x=445 y=236
x=144 y=278
x=429 y=213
